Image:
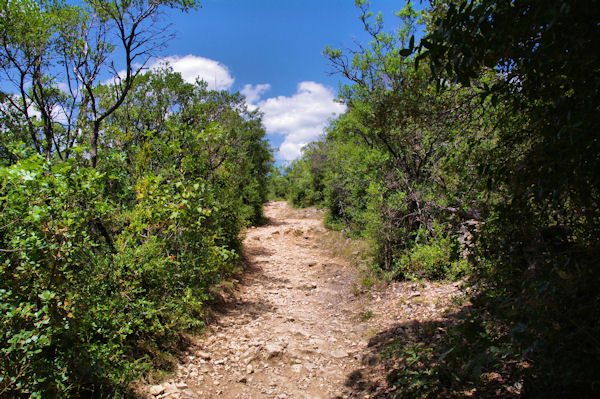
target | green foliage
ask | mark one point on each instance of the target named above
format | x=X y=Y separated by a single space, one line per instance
x=306 y=177
x=481 y=142
x=470 y=359
x=542 y=237
x=415 y=379
x=277 y=184
x=432 y=260
x=51 y=43
x=80 y=305
x=104 y=268
x=364 y=316
x=207 y=134
x=401 y=161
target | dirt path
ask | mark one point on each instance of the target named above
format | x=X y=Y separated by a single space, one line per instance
x=292 y=329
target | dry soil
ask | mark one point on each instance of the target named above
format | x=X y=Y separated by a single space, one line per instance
x=297 y=324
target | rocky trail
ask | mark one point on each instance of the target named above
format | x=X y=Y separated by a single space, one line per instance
x=296 y=325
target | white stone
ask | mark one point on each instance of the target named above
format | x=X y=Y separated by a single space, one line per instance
x=157 y=390
x=273 y=350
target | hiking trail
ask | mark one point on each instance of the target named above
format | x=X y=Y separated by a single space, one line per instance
x=296 y=325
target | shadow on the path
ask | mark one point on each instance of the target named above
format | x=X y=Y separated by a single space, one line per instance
x=242 y=312
x=255 y=252
x=229 y=304
x=438 y=358
x=272 y=222
x=380 y=360
x=253 y=272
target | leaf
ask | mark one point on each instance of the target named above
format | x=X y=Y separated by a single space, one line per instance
x=564 y=275
x=405 y=52
x=47 y=295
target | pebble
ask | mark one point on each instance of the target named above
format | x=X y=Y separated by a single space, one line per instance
x=339 y=354
x=274 y=350
x=157 y=390
x=297 y=368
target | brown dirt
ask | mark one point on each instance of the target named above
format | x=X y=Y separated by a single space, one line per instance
x=296 y=326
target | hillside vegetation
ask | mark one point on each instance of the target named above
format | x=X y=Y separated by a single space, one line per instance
x=121 y=203
x=474 y=153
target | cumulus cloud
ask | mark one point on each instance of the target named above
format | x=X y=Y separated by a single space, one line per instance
x=253 y=93
x=301 y=118
x=215 y=74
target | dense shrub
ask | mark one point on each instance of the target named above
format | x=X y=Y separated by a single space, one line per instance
x=436 y=259
x=88 y=283
x=104 y=267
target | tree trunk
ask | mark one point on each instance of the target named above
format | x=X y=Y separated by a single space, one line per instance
x=94 y=144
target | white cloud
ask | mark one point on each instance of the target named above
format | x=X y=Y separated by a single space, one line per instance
x=253 y=93
x=57 y=113
x=289 y=151
x=301 y=118
x=215 y=74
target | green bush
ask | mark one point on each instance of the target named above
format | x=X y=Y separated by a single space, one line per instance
x=88 y=285
x=432 y=260
x=103 y=269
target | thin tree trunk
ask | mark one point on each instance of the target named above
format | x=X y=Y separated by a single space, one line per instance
x=94 y=143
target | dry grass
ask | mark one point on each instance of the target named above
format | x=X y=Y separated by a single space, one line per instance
x=355 y=251
x=358 y=253
x=286 y=211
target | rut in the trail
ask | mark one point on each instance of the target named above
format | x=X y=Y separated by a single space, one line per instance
x=291 y=329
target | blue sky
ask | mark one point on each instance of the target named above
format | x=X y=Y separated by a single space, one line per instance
x=271 y=51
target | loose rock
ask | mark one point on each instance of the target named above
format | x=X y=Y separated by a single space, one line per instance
x=157 y=390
